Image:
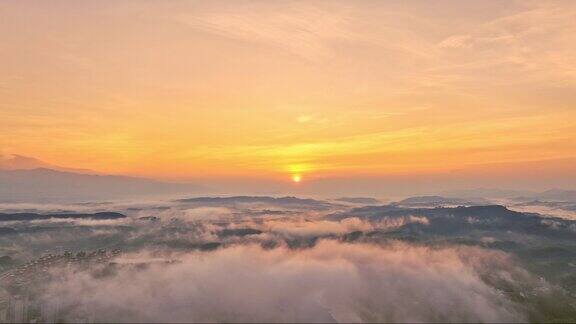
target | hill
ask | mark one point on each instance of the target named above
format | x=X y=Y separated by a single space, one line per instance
x=44 y=184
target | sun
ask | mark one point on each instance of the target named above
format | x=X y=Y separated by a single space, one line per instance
x=296 y=178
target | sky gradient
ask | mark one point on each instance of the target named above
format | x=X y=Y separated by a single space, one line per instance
x=270 y=90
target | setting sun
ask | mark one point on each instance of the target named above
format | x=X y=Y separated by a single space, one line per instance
x=296 y=178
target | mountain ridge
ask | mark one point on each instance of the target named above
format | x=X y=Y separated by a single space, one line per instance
x=43 y=184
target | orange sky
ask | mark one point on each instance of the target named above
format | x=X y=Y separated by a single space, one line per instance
x=273 y=89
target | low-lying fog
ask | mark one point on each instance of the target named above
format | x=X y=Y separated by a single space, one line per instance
x=286 y=259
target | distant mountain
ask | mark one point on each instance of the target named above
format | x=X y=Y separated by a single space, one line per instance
x=359 y=200
x=439 y=201
x=21 y=162
x=292 y=202
x=486 y=193
x=33 y=216
x=553 y=195
x=561 y=205
x=558 y=195
x=52 y=185
x=378 y=212
x=517 y=195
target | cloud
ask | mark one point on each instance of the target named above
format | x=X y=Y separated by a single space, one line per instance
x=315 y=227
x=206 y=213
x=330 y=282
x=301 y=29
x=193 y=262
x=535 y=40
x=455 y=42
x=546 y=209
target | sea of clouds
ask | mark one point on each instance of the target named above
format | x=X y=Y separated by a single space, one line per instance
x=268 y=262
